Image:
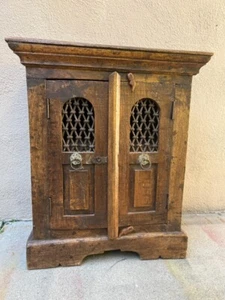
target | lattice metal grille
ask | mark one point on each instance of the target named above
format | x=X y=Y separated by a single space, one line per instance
x=78 y=126
x=144 y=126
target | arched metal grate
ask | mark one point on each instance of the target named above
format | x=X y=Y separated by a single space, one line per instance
x=144 y=126
x=78 y=126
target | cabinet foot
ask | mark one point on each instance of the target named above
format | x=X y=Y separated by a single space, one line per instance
x=71 y=252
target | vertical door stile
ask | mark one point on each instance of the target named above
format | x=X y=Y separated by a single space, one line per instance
x=113 y=154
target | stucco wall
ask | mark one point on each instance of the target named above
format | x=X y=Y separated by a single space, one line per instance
x=168 y=24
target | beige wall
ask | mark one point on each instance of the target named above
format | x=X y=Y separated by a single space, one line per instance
x=166 y=24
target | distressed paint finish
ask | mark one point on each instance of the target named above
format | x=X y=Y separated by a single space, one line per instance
x=102 y=207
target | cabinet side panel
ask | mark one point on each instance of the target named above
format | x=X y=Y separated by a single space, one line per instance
x=38 y=148
x=179 y=149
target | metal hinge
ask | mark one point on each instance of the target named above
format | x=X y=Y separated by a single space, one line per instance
x=50 y=206
x=172 y=110
x=167 y=201
x=48 y=108
x=99 y=160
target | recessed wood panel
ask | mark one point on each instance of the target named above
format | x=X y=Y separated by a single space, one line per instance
x=78 y=191
x=144 y=188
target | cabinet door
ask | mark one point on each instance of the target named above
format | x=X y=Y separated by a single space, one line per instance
x=145 y=152
x=77 y=130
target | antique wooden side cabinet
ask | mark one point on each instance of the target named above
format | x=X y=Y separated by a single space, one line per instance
x=108 y=135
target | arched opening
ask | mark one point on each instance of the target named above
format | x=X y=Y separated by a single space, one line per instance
x=78 y=126
x=144 y=126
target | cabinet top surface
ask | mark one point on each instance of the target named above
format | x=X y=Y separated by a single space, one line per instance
x=98 y=46
x=45 y=53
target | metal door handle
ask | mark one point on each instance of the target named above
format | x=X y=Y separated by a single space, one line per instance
x=76 y=161
x=144 y=161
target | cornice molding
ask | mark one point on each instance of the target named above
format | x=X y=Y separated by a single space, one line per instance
x=52 y=54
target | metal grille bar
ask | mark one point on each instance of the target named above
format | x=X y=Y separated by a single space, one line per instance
x=144 y=126
x=78 y=126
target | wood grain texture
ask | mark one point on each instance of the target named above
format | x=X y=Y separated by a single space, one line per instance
x=113 y=153
x=179 y=149
x=62 y=215
x=64 y=46
x=70 y=252
x=79 y=184
x=52 y=54
x=144 y=184
x=162 y=94
x=38 y=144
x=113 y=205
x=78 y=190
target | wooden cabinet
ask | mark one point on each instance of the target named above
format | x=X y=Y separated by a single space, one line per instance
x=108 y=135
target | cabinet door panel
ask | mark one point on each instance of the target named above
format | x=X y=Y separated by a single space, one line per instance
x=78 y=123
x=145 y=129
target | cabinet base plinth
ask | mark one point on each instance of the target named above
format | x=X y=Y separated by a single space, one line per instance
x=71 y=252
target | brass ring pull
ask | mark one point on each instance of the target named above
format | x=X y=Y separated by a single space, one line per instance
x=144 y=161
x=76 y=161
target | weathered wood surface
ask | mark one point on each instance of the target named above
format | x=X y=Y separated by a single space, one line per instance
x=38 y=53
x=131 y=209
x=115 y=205
x=67 y=213
x=179 y=149
x=38 y=148
x=113 y=155
x=70 y=252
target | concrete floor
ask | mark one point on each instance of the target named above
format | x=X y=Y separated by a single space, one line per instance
x=117 y=275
